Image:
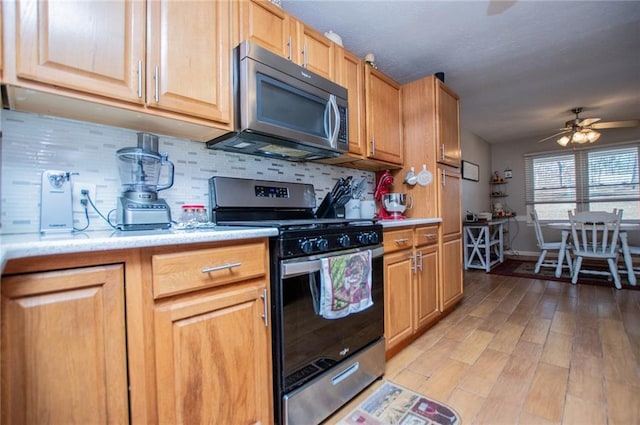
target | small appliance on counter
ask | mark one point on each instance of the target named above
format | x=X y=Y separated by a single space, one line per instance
x=56 y=207
x=139 y=207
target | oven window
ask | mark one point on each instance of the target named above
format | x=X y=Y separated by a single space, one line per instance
x=311 y=343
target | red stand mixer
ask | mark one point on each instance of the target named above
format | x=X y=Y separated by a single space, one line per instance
x=392 y=205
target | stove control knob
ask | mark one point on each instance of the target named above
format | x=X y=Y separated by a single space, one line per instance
x=344 y=240
x=322 y=244
x=306 y=246
x=373 y=238
x=363 y=238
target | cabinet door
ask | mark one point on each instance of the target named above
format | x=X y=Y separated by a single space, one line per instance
x=189 y=58
x=384 y=117
x=427 y=306
x=213 y=357
x=314 y=51
x=451 y=283
x=266 y=24
x=449 y=201
x=63 y=347
x=350 y=75
x=90 y=46
x=448 y=122
x=398 y=309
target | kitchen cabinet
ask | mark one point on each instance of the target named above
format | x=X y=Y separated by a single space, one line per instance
x=447 y=115
x=268 y=25
x=350 y=74
x=212 y=334
x=449 y=209
x=398 y=284
x=167 y=59
x=427 y=269
x=384 y=118
x=180 y=342
x=411 y=265
x=64 y=347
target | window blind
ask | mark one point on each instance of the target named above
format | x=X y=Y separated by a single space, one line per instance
x=596 y=179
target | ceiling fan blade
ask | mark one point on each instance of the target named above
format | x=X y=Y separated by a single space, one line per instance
x=553 y=135
x=588 y=121
x=617 y=124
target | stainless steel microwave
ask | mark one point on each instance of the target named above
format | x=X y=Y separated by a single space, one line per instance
x=283 y=110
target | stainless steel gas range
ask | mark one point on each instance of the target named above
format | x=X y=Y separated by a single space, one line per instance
x=319 y=361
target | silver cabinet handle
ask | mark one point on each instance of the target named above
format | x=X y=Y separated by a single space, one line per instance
x=140 y=78
x=430 y=235
x=157 y=96
x=401 y=241
x=444 y=177
x=373 y=146
x=419 y=266
x=414 y=264
x=304 y=55
x=290 y=44
x=265 y=314
x=442 y=156
x=222 y=267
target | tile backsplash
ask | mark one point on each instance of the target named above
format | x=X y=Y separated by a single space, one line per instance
x=33 y=143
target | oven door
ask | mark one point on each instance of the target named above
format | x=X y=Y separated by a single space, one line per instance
x=309 y=343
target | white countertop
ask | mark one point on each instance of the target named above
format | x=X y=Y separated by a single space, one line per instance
x=33 y=244
x=409 y=222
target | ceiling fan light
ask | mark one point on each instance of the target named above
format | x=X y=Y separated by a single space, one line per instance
x=579 y=137
x=592 y=136
x=564 y=141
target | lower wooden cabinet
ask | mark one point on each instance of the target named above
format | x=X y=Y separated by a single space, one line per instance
x=186 y=340
x=452 y=282
x=64 y=357
x=411 y=267
x=212 y=357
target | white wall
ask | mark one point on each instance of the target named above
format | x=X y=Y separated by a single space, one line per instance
x=475 y=195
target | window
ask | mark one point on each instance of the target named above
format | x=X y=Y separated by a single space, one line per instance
x=585 y=180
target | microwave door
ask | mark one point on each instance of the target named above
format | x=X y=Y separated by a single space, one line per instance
x=278 y=104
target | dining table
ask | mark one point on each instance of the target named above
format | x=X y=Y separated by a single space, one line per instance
x=565 y=228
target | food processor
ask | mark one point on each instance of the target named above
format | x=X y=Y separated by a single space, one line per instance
x=139 y=207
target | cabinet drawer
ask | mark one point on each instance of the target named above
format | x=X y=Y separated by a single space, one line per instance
x=396 y=240
x=204 y=268
x=426 y=235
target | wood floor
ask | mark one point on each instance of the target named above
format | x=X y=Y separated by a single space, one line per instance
x=526 y=351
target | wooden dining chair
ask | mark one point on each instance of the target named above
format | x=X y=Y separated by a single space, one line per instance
x=595 y=236
x=546 y=246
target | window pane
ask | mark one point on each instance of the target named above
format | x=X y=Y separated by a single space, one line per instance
x=613 y=174
x=557 y=212
x=554 y=179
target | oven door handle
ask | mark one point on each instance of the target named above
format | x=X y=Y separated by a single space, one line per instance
x=314 y=264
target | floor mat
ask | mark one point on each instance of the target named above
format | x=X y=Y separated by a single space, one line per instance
x=525 y=268
x=392 y=404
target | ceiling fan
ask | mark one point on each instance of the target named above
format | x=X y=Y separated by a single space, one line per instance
x=584 y=130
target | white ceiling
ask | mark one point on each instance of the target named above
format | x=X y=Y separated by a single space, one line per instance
x=519 y=66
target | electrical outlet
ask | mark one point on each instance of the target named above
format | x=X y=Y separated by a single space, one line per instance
x=77 y=195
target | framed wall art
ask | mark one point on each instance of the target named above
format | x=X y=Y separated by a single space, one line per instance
x=470 y=171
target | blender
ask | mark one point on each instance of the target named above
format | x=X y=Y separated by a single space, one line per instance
x=139 y=207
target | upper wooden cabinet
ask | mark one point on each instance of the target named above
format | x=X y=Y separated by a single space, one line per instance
x=350 y=74
x=268 y=25
x=91 y=47
x=384 y=118
x=447 y=116
x=189 y=59
x=167 y=59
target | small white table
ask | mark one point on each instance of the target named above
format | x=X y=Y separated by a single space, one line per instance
x=624 y=227
x=483 y=244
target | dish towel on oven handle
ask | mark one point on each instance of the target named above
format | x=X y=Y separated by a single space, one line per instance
x=345 y=284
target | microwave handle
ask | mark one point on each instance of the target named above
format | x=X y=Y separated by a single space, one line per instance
x=333 y=136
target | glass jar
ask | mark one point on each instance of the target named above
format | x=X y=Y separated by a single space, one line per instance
x=192 y=215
